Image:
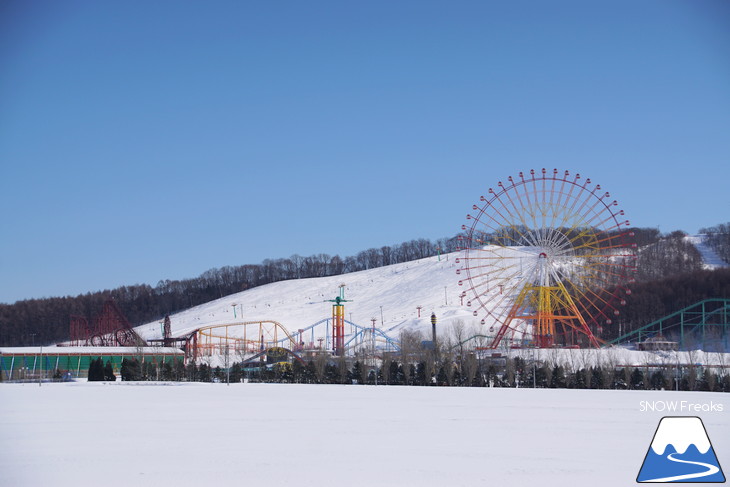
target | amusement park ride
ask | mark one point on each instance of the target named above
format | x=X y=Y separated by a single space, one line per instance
x=338 y=322
x=109 y=328
x=545 y=262
x=255 y=340
x=547 y=257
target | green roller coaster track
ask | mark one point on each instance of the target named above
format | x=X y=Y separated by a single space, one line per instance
x=705 y=322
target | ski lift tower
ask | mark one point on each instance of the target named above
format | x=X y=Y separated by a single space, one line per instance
x=338 y=322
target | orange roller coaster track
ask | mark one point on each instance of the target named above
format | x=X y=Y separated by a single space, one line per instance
x=246 y=337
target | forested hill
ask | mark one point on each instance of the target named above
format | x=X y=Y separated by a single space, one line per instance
x=46 y=320
x=664 y=261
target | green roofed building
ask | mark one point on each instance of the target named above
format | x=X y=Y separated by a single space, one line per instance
x=34 y=363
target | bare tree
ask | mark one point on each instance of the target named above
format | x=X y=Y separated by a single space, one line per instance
x=320 y=364
x=410 y=345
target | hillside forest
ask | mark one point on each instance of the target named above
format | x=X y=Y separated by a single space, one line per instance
x=670 y=276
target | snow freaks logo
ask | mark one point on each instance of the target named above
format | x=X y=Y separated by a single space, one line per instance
x=681 y=452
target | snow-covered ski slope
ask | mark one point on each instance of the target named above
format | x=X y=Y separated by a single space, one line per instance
x=390 y=294
x=710 y=258
x=398 y=289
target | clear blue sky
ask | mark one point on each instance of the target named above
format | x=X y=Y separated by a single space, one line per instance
x=142 y=141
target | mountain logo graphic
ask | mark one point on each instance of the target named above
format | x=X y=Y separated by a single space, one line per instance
x=681 y=452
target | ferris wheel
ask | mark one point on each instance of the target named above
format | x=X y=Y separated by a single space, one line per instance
x=546 y=260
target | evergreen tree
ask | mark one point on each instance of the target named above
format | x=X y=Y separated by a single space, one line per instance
x=167 y=373
x=204 y=373
x=372 y=377
x=236 y=372
x=284 y=372
x=558 y=380
x=395 y=375
x=96 y=370
x=124 y=369
x=596 y=378
x=191 y=372
x=491 y=374
x=724 y=383
x=331 y=374
x=109 y=372
x=149 y=371
x=420 y=376
x=380 y=377
x=178 y=370
x=637 y=379
x=411 y=375
x=456 y=378
x=400 y=376
x=478 y=380
x=657 y=380
x=442 y=378
x=684 y=383
x=310 y=373
x=358 y=372
x=131 y=370
x=542 y=376
x=706 y=382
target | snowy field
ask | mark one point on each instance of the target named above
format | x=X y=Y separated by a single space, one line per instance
x=122 y=434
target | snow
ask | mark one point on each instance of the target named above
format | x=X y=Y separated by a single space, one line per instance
x=399 y=289
x=123 y=434
x=680 y=432
x=711 y=260
x=612 y=357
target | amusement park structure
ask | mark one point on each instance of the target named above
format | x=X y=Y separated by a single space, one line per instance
x=338 y=322
x=249 y=340
x=704 y=325
x=242 y=338
x=547 y=258
x=108 y=328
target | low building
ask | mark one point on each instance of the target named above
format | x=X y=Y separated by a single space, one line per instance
x=657 y=343
x=35 y=363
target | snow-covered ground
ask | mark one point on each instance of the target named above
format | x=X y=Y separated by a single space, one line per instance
x=398 y=289
x=124 y=434
x=390 y=294
x=710 y=258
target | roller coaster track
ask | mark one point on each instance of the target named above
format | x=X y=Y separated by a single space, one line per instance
x=217 y=338
x=713 y=312
x=361 y=333
x=262 y=355
x=214 y=339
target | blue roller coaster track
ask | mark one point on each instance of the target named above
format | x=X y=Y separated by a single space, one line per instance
x=358 y=334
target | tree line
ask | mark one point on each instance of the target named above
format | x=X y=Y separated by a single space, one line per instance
x=46 y=320
x=652 y=300
x=666 y=262
x=661 y=256
x=513 y=372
